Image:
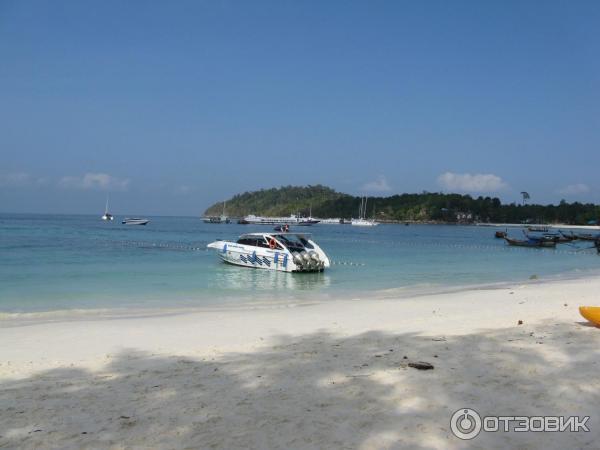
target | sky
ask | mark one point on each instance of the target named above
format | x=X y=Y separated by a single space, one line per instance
x=171 y=106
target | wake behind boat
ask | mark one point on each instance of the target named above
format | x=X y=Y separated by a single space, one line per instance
x=135 y=221
x=285 y=252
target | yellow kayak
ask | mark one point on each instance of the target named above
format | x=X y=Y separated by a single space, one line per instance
x=591 y=313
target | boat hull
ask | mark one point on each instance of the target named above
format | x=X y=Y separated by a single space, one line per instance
x=364 y=223
x=530 y=243
x=135 y=222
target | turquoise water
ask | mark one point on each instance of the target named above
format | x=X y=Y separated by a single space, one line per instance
x=56 y=262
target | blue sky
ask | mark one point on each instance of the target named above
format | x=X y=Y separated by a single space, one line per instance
x=171 y=106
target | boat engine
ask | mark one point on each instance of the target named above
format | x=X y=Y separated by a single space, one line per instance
x=308 y=260
x=297 y=257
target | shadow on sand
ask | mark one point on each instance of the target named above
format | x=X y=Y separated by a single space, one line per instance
x=316 y=391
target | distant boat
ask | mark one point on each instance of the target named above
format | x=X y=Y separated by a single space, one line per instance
x=107 y=216
x=569 y=237
x=535 y=243
x=135 y=221
x=217 y=219
x=362 y=221
x=291 y=220
x=587 y=236
x=500 y=234
x=538 y=229
x=553 y=237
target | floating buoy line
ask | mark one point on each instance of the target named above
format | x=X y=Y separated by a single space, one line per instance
x=442 y=245
x=160 y=245
x=202 y=248
x=346 y=263
x=574 y=250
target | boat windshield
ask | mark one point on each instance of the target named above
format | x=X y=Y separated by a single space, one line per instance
x=255 y=241
x=294 y=242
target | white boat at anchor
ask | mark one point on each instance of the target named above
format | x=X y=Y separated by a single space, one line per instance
x=135 y=221
x=223 y=218
x=334 y=221
x=293 y=219
x=285 y=252
x=107 y=216
x=362 y=220
x=364 y=223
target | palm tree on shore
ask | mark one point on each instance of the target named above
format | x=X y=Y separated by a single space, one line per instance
x=526 y=196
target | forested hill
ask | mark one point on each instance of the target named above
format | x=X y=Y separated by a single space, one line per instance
x=427 y=206
x=281 y=201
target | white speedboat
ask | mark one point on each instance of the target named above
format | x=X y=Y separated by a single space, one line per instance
x=285 y=252
x=135 y=221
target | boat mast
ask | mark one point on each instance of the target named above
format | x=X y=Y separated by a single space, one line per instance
x=106 y=207
x=360 y=208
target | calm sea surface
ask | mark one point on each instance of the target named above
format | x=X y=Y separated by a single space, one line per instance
x=56 y=262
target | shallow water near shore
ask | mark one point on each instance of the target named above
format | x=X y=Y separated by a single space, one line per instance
x=58 y=262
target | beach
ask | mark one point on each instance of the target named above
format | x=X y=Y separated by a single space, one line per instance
x=331 y=374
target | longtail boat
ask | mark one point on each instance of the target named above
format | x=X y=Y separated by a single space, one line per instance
x=588 y=236
x=535 y=243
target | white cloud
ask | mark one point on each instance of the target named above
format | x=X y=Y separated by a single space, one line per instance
x=574 y=189
x=466 y=182
x=97 y=181
x=378 y=185
x=20 y=179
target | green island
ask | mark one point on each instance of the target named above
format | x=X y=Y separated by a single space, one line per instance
x=324 y=202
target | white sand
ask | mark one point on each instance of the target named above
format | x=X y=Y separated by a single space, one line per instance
x=328 y=375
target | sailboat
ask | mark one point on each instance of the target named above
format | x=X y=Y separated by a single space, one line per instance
x=218 y=219
x=107 y=216
x=362 y=220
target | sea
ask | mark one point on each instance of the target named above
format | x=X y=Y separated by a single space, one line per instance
x=81 y=263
